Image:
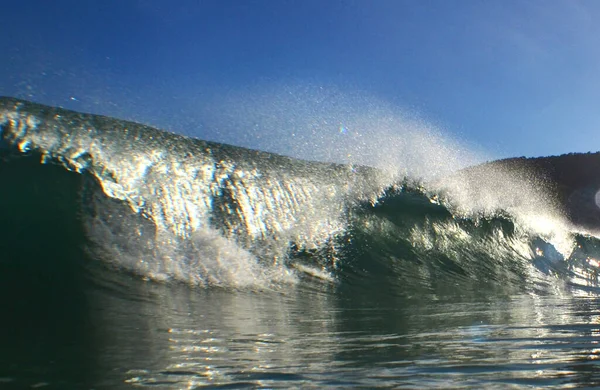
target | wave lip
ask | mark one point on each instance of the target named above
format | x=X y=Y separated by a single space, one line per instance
x=169 y=207
x=258 y=201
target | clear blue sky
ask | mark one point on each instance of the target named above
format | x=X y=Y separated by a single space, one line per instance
x=513 y=77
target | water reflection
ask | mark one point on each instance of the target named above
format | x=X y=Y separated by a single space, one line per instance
x=307 y=338
x=191 y=338
x=122 y=332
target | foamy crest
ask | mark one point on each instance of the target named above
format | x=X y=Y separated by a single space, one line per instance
x=205 y=258
x=492 y=189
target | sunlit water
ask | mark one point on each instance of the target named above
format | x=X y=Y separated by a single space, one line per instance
x=124 y=333
x=137 y=258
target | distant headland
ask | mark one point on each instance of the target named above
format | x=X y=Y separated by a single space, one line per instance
x=574 y=180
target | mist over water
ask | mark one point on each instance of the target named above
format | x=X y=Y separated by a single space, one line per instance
x=330 y=124
x=241 y=197
x=189 y=263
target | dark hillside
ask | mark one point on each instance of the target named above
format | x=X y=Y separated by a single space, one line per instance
x=574 y=179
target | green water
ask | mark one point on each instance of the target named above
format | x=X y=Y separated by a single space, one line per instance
x=397 y=293
x=95 y=330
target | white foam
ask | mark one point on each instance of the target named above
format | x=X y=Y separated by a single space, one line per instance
x=206 y=258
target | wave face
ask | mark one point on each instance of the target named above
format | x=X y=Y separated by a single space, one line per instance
x=171 y=208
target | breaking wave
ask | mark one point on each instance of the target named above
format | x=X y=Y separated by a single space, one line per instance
x=171 y=208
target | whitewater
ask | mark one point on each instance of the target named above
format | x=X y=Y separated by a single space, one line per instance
x=243 y=268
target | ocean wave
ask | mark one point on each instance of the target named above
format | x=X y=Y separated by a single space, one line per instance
x=171 y=208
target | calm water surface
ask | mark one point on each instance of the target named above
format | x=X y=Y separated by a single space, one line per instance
x=127 y=333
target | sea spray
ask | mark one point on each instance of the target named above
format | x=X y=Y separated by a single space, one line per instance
x=324 y=123
x=168 y=207
x=261 y=202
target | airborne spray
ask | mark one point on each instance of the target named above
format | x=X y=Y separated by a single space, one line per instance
x=168 y=207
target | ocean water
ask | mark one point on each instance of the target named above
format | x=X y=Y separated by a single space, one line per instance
x=132 y=257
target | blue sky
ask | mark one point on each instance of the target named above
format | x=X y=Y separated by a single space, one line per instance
x=510 y=77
